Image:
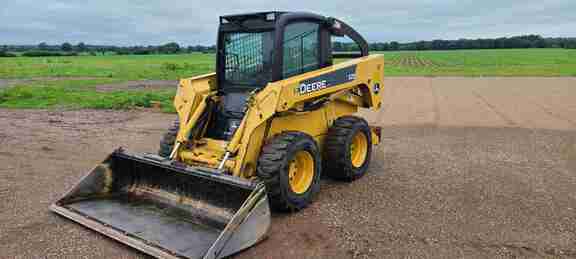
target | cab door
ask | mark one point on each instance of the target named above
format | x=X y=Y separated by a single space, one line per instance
x=302 y=45
x=301 y=48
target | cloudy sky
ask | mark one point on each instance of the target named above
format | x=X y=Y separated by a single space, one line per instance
x=189 y=22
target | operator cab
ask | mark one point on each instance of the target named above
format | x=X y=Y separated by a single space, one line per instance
x=258 y=48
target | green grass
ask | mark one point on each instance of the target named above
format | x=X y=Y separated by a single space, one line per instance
x=80 y=94
x=118 y=67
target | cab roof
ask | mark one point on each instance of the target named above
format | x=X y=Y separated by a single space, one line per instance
x=255 y=15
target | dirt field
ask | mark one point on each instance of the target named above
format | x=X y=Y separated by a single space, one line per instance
x=411 y=60
x=139 y=85
x=128 y=85
x=469 y=168
x=8 y=82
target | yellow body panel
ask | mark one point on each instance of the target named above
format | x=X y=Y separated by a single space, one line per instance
x=206 y=151
x=250 y=152
x=190 y=95
x=369 y=71
x=277 y=108
x=314 y=123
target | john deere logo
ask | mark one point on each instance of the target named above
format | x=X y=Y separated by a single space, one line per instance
x=306 y=88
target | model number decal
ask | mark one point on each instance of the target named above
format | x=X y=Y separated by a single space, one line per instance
x=351 y=76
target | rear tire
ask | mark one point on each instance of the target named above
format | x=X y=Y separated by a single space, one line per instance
x=290 y=166
x=348 y=148
x=168 y=139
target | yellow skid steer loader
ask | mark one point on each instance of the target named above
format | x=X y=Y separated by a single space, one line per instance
x=255 y=134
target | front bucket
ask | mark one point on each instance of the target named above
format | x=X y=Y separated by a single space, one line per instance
x=166 y=210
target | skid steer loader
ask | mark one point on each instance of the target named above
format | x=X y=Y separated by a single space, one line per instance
x=254 y=135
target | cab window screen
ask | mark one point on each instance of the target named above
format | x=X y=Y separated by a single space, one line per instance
x=300 y=49
x=248 y=58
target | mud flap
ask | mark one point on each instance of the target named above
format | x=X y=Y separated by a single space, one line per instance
x=167 y=210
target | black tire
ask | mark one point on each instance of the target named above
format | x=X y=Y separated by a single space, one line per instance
x=273 y=166
x=168 y=139
x=337 y=148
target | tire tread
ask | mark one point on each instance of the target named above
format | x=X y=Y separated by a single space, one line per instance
x=335 y=150
x=168 y=139
x=271 y=163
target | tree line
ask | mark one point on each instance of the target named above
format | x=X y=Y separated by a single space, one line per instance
x=68 y=49
x=517 y=42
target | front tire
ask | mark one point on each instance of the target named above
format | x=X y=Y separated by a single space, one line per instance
x=348 y=148
x=290 y=166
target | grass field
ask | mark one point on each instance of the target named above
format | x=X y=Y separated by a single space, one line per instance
x=78 y=76
x=77 y=94
x=117 y=67
x=512 y=62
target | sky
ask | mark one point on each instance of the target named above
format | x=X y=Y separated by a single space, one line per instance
x=192 y=22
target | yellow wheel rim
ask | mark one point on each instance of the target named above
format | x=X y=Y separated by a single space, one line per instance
x=301 y=172
x=359 y=149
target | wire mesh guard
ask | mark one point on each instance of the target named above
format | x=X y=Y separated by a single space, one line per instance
x=248 y=57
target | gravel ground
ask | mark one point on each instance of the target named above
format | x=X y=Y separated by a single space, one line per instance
x=469 y=168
